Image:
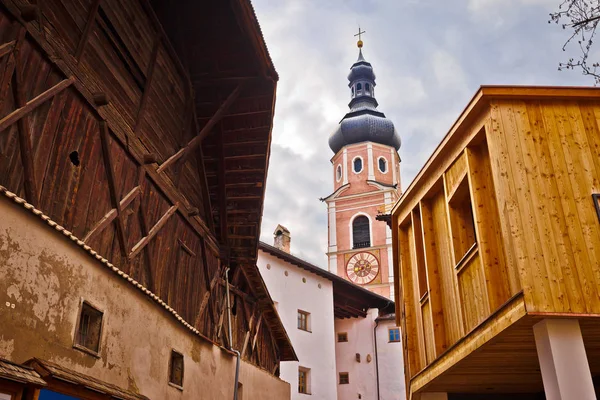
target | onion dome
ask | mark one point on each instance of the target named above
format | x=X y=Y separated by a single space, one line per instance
x=364 y=123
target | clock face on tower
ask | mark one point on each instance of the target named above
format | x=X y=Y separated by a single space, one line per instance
x=362 y=268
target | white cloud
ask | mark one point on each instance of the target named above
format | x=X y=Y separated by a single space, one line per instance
x=429 y=56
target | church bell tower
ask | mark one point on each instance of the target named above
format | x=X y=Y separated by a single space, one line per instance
x=366 y=181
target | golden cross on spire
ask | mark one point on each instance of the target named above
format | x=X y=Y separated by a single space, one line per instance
x=359 y=34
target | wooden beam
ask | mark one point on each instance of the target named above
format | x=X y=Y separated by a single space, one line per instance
x=254 y=340
x=7 y=48
x=112 y=214
x=249 y=331
x=195 y=142
x=149 y=79
x=207 y=295
x=34 y=103
x=155 y=229
x=112 y=186
x=206 y=300
x=87 y=31
x=31 y=191
x=144 y=227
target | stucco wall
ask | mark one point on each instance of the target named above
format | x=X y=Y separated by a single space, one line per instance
x=44 y=276
x=360 y=340
x=362 y=375
x=315 y=349
x=391 y=364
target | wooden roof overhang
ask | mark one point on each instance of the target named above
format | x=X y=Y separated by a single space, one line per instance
x=349 y=300
x=500 y=356
x=75 y=383
x=234 y=82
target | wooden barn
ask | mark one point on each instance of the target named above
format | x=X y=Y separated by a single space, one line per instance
x=134 y=148
x=497 y=247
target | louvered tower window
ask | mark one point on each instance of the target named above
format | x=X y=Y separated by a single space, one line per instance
x=361 y=236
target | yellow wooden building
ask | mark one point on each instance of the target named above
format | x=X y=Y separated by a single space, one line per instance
x=497 y=251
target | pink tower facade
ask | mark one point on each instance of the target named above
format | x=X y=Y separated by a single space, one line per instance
x=366 y=181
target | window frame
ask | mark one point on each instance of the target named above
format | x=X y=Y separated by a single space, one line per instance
x=338 y=173
x=170 y=376
x=362 y=165
x=387 y=168
x=76 y=344
x=342 y=334
x=392 y=340
x=347 y=378
x=306 y=372
x=306 y=314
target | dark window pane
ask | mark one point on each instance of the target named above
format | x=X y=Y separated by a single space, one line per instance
x=46 y=394
x=358 y=165
x=361 y=236
x=382 y=165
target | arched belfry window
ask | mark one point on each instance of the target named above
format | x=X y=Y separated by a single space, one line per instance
x=352 y=91
x=358 y=87
x=361 y=235
x=367 y=88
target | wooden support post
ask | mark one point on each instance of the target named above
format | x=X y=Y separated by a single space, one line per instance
x=112 y=214
x=112 y=186
x=146 y=239
x=88 y=30
x=34 y=103
x=563 y=360
x=195 y=142
x=31 y=191
x=149 y=79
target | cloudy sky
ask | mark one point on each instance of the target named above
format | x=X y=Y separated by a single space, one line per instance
x=430 y=56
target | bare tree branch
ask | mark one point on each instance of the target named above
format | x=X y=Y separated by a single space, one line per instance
x=582 y=16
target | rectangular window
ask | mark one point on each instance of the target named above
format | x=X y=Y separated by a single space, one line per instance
x=303 y=380
x=344 y=378
x=304 y=320
x=461 y=220
x=394 y=334
x=176 y=369
x=89 y=329
x=342 y=337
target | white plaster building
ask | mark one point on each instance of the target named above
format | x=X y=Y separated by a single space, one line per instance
x=342 y=342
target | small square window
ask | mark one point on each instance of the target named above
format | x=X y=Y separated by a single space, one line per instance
x=176 y=369
x=304 y=320
x=89 y=329
x=342 y=337
x=303 y=380
x=394 y=334
x=344 y=378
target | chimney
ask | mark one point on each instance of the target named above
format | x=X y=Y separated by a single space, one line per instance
x=282 y=238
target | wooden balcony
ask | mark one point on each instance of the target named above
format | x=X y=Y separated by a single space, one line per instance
x=498 y=230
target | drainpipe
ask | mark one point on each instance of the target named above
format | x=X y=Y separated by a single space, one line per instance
x=237 y=353
x=376 y=357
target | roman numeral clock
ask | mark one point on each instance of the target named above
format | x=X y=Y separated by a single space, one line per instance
x=362 y=268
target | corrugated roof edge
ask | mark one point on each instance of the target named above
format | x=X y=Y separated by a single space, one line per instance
x=259 y=35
